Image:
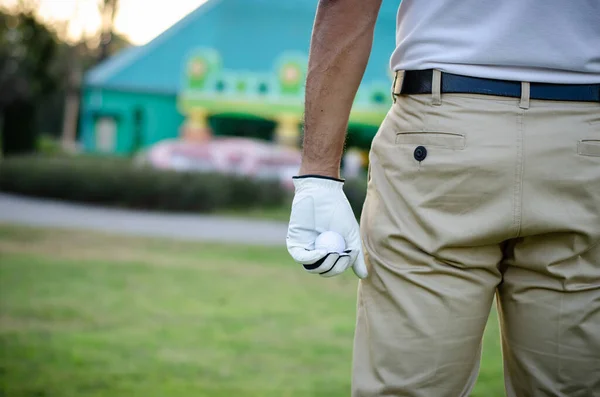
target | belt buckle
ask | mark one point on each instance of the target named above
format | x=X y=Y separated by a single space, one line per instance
x=397 y=84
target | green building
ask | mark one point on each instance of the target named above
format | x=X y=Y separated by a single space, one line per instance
x=233 y=67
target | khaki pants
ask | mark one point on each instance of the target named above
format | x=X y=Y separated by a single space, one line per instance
x=505 y=202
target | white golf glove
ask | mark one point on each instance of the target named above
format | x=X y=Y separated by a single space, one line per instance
x=320 y=205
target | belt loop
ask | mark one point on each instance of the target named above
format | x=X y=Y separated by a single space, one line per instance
x=397 y=85
x=525 y=91
x=436 y=88
x=394 y=87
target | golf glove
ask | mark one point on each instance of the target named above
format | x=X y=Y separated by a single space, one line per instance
x=320 y=205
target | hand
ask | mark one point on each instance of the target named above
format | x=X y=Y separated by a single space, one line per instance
x=320 y=205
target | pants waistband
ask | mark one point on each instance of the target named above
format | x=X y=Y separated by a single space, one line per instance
x=414 y=82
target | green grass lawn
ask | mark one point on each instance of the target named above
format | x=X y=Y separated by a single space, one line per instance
x=85 y=314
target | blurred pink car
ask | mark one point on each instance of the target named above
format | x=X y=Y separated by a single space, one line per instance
x=229 y=155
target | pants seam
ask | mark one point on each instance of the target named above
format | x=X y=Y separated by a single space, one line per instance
x=518 y=190
x=560 y=328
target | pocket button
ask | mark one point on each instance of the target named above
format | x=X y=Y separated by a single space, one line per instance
x=420 y=153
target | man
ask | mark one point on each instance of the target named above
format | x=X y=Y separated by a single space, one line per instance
x=484 y=180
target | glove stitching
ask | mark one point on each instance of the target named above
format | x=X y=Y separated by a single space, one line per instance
x=332 y=266
x=315 y=265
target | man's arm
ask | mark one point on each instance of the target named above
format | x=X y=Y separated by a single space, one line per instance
x=339 y=51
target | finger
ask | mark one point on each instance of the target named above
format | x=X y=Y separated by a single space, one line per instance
x=304 y=256
x=301 y=228
x=359 y=266
x=338 y=267
x=323 y=264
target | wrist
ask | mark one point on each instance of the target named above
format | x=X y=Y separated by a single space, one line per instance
x=328 y=172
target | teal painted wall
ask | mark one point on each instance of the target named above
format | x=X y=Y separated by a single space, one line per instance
x=249 y=34
x=160 y=118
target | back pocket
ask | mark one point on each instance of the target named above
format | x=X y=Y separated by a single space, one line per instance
x=589 y=147
x=437 y=139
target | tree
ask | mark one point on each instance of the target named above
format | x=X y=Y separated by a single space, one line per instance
x=41 y=69
x=28 y=73
x=80 y=60
x=108 y=11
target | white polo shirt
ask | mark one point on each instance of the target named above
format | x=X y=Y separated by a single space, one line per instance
x=553 y=41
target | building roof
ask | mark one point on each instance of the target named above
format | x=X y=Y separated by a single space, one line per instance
x=249 y=35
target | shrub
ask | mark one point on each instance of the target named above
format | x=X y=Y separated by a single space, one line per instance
x=49 y=145
x=116 y=182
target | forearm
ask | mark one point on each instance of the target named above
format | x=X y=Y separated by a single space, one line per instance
x=339 y=51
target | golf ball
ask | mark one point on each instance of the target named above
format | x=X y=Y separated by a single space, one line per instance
x=331 y=242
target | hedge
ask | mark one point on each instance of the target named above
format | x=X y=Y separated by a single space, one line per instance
x=117 y=182
x=356 y=191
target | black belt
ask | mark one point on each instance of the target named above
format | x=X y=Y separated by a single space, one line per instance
x=420 y=81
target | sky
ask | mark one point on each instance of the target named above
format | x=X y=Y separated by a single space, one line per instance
x=138 y=20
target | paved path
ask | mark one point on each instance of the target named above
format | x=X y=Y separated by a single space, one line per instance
x=36 y=212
